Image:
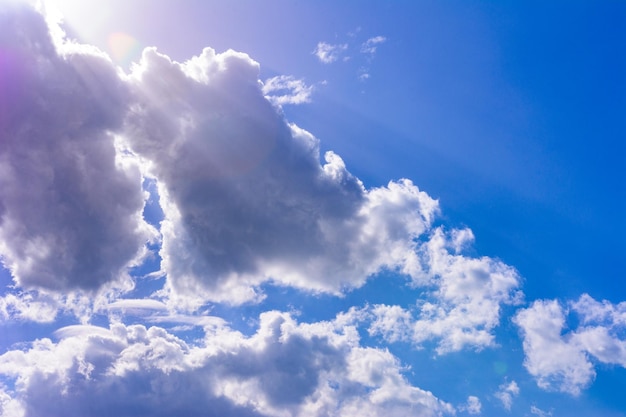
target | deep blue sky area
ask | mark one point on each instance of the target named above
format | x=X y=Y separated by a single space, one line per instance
x=382 y=208
x=512 y=115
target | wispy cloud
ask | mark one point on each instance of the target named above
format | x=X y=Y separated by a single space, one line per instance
x=328 y=53
x=136 y=305
x=506 y=393
x=286 y=89
x=371 y=45
x=539 y=412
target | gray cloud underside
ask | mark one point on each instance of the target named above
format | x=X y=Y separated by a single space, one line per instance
x=70 y=214
x=284 y=369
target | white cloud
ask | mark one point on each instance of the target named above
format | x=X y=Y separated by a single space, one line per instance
x=601 y=330
x=473 y=405
x=563 y=361
x=469 y=294
x=9 y=406
x=369 y=48
x=28 y=306
x=286 y=89
x=393 y=323
x=506 y=393
x=599 y=342
x=78 y=330
x=284 y=369
x=594 y=312
x=539 y=412
x=551 y=358
x=371 y=45
x=464 y=306
x=135 y=305
x=328 y=53
x=47 y=306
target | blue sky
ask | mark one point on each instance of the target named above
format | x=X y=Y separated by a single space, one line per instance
x=312 y=209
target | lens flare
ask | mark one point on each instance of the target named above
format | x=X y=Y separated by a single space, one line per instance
x=123 y=48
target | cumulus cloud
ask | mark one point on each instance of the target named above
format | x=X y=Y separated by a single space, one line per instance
x=328 y=53
x=393 y=323
x=286 y=89
x=506 y=393
x=564 y=360
x=285 y=369
x=601 y=332
x=9 y=406
x=245 y=197
x=70 y=206
x=552 y=359
x=594 y=312
x=463 y=308
x=469 y=294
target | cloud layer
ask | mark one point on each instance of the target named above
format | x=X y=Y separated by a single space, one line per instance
x=284 y=369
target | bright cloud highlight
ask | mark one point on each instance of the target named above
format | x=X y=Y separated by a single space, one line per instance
x=563 y=360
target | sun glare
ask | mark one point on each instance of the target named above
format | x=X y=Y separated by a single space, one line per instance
x=86 y=20
x=83 y=19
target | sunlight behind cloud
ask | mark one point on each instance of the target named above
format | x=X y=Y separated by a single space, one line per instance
x=176 y=239
x=124 y=48
x=86 y=21
x=84 y=16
